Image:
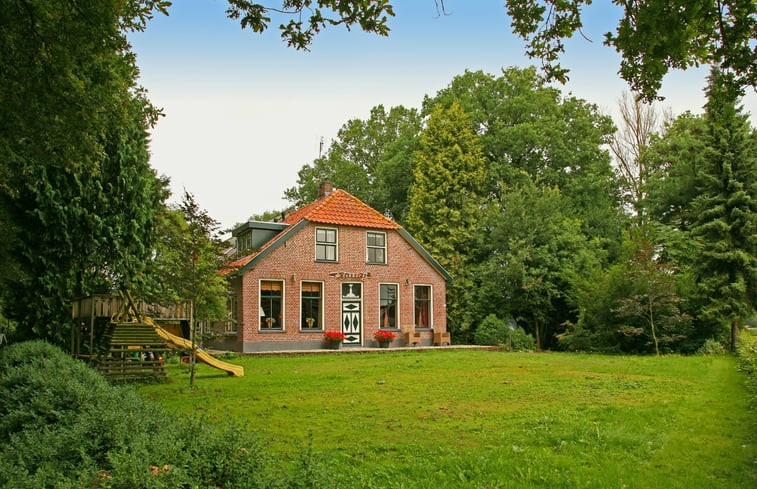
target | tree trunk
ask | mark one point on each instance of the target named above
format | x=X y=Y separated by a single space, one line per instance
x=734 y=335
x=193 y=353
x=654 y=331
x=538 y=330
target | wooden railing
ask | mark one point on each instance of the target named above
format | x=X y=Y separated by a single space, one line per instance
x=107 y=306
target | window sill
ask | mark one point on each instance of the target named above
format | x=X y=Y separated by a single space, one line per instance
x=271 y=331
x=311 y=331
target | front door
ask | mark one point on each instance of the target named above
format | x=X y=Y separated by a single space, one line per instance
x=352 y=295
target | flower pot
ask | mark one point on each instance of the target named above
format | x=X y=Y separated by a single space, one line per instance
x=385 y=344
x=333 y=345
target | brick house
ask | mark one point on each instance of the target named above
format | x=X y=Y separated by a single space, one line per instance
x=333 y=265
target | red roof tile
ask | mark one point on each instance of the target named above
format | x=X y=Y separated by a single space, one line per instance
x=237 y=264
x=342 y=208
x=337 y=208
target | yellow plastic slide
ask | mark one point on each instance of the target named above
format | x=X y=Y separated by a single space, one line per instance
x=202 y=355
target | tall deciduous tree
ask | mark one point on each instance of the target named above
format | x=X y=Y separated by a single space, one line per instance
x=372 y=159
x=726 y=224
x=77 y=187
x=531 y=250
x=652 y=37
x=447 y=198
x=528 y=127
x=639 y=122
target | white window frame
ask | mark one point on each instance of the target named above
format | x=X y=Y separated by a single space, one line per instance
x=326 y=244
x=396 y=309
x=283 y=305
x=323 y=305
x=369 y=247
x=430 y=306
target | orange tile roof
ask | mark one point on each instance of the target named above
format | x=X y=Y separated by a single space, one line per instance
x=337 y=208
x=235 y=265
x=342 y=208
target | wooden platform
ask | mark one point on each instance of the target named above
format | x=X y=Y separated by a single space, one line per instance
x=124 y=350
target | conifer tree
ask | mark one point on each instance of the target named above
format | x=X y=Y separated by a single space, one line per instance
x=726 y=210
x=76 y=188
x=447 y=197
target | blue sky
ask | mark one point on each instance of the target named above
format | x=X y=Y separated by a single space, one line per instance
x=243 y=113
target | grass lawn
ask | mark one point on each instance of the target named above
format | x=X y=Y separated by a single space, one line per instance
x=484 y=419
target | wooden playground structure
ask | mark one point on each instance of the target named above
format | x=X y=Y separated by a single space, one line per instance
x=120 y=339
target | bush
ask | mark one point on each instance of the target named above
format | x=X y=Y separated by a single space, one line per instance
x=711 y=347
x=64 y=426
x=491 y=331
x=747 y=354
x=494 y=331
x=519 y=340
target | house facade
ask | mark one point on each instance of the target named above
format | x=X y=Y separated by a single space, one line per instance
x=333 y=265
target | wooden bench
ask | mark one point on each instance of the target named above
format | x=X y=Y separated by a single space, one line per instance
x=411 y=336
x=441 y=338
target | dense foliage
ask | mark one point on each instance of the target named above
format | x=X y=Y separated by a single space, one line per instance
x=187 y=255
x=747 y=353
x=370 y=158
x=64 y=426
x=79 y=200
x=506 y=180
x=525 y=211
x=446 y=199
x=652 y=36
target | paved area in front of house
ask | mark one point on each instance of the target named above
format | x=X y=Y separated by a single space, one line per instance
x=362 y=349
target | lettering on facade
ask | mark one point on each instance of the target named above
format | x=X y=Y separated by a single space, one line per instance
x=350 y=274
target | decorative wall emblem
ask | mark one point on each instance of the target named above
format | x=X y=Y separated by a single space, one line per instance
x=350 y=274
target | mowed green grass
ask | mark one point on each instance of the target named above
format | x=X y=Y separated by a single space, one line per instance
x=487 y=419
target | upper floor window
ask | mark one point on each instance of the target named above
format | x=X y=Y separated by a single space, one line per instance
x=423 y=306
x=271 y=304
x=376 y=244
x=325 y=244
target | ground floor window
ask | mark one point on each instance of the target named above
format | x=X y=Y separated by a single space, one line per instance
x=271 y=300
x=422 y=306
x=388 y=306
x=311 y=306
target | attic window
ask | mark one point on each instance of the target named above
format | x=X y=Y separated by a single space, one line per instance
x=376 y=247
x=325 y=244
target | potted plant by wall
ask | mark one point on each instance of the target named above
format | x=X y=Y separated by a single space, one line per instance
x=333 y=339
x=384 y=338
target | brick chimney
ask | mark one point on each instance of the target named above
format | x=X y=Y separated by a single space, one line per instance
x=325 y=189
